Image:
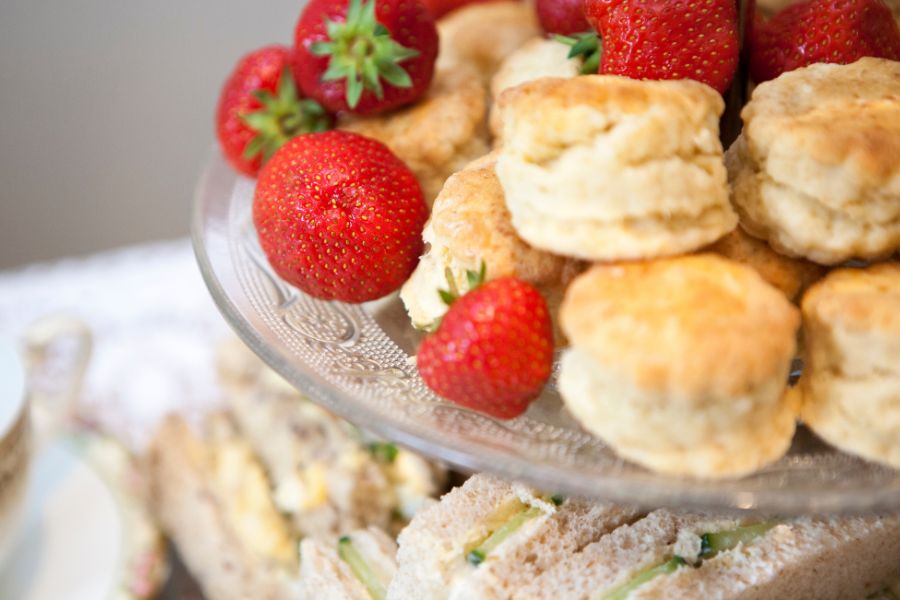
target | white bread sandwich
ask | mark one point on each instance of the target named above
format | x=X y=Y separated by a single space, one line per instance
x=326 y=475
x=359 y=566
x=494 y=540
x=212 y=499
x=488 y=538
x=238 y=497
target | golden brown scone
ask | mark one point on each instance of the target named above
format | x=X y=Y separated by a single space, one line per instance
x=538 y=58
x=604 y=168
x=480 y=36
x=470 y=224
x=681 y=364
x=790 y=275
x=817 y=170
x=851 y=378
x=439 y=135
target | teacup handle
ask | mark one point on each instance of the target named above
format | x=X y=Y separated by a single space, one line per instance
x=51 y=411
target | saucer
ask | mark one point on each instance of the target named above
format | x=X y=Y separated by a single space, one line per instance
x=73 y=539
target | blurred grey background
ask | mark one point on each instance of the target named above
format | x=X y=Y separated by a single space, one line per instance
x=106 y=112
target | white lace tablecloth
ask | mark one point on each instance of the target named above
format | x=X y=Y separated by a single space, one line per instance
x=155 y=329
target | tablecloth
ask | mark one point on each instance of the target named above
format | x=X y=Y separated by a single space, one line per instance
x=155 y=329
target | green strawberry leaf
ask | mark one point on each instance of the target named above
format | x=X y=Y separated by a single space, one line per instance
x=282 y=116
x=586 y=46
x=363 y=53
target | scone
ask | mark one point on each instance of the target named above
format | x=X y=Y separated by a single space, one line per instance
x=681 y=364
x=851 y=378
x=603 y=168
x=470 y=224
x=817 y=170
x=790 y=275
x=439 y=135
x=481 y=36
x=538 y=58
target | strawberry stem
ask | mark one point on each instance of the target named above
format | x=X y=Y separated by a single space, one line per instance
x=282 y=116
x=474 y=279
x=585 y=46
x=363 y=53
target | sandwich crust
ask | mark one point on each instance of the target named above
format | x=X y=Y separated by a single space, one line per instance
x=817 y=170
x=681 y=364
x=438 y=135
x=790 y=275
x=480 y=36
x=470 y=224
x=614 y=168
x=851 y=379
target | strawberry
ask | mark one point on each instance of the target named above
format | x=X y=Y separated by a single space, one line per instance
x=259 y=110
x=493 y=350
x=439 y=8
x=832 y=31
x=339 y=216
x=368 y=56
x=668 y=39
x=564 y=17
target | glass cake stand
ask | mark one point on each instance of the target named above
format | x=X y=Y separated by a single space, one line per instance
x=357 y=361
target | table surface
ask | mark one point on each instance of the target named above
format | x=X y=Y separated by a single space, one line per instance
x=155 y=330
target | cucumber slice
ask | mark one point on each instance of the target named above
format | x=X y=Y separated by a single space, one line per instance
x=713 y=543
x=639 y=579
x=478 y=555
x=366 y=576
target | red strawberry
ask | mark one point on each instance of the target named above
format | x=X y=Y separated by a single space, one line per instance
x=564 y=17
x=831 y=31
x=366 y=57
x=339 y=216
x=493 y=351
x=668 y=39
x=439 y=8
x=259 y=110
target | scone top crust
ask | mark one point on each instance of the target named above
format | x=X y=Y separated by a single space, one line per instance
x=470 y=220
x=674 y=117
x=697 y=325
x=831 y=131
x=858 y=300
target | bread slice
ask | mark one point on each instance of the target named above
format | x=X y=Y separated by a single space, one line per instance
x=434 y=556
x=192 y=511
x=324 y=575
x=806 y=558
x=614 y=559
x=323 y=474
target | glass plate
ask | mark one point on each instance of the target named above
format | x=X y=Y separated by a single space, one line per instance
x=357 y=361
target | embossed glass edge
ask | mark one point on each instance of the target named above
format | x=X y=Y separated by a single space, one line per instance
x=645 y=490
